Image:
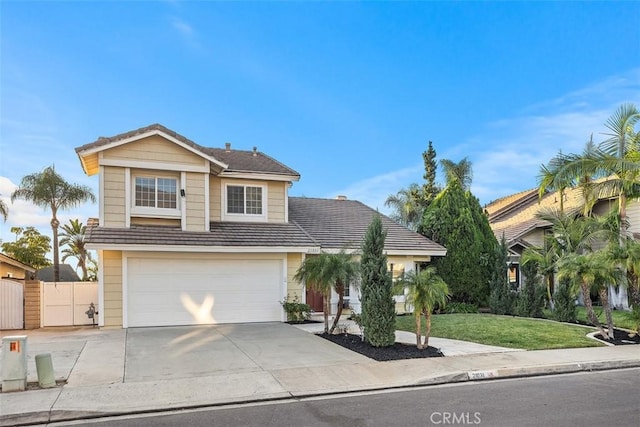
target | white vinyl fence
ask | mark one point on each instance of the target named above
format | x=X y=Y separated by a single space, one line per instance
x=11 y=304
x=65 y=303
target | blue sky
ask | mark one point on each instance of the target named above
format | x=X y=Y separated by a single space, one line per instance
x=346 y=93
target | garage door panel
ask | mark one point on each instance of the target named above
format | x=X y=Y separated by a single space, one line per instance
x=200 y=291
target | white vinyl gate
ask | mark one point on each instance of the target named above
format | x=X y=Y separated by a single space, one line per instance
x=11 y=304
x=65 y=303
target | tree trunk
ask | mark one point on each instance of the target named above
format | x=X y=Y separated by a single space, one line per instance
x=427 y=333
x=604 y=300
x=419 y=330
x=634 y=289
x=549 y=286
x=56 y=256
x=586 y=295
x=326 y=299
x=340 y=292
x=82 y=263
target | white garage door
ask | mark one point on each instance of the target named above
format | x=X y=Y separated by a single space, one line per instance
x=164 y=292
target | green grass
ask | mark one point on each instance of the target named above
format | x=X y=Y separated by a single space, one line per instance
x=504 y=331
x=621 y=319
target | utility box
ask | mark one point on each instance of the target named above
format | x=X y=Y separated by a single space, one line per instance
x=14 y=363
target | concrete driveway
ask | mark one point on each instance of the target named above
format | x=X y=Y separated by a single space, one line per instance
x=193 y=351
x=86 y=356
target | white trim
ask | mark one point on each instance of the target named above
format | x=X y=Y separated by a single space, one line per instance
x=207 y=207
x=147 y=164
x=203 y=249
x=153 y=212
x=183 y=200
x=392 y=252
x=125 y=291
x=263 y=217
x=283 y=293
x=286 y=203
x=41 y=290
x=100 y=288
x=101 y=197
x=146 y=135
x=303 y=283
x=259 y=176
x=127 y=197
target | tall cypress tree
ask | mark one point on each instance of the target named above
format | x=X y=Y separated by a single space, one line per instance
x=429 y=189
x=455 y=220
x=378 y=308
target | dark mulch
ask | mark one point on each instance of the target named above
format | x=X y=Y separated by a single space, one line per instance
x=397 y=351
x=304 y=322
x=621 y=337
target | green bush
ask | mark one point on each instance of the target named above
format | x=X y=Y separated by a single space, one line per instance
x=531 y=298
x=459 y=307
x=565 y=303
x=297 y=312
x=634 y=317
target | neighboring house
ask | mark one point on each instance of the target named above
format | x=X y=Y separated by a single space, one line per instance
x=194 y=235
x=67 y=274
x=11 y=268
x=514 y=217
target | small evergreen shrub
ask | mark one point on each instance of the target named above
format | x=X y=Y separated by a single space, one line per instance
x=297 y=312
x=501 y=299
x=531 y=298
x=565 y=303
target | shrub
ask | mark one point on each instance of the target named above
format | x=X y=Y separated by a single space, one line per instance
x=532 y=296
x=378 y=306
x=565 y=303
x=297 y=312
x=501 y=299
x=459 y=307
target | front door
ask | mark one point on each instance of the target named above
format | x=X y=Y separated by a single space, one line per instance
x=315 y=301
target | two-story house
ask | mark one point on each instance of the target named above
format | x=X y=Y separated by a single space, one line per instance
x=194 y=235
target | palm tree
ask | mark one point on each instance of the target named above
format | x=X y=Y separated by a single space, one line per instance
x=73 y=235
x=587 y=271
x=325 y=272
x=48 y=189
x=544 y=259
x=460 y=172
x=426 y=290
x=406 y=206
x=4 y=210
x=627 y=252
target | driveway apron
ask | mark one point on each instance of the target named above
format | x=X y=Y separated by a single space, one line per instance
x=195 y=351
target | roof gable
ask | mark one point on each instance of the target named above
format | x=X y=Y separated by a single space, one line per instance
x=223 y=161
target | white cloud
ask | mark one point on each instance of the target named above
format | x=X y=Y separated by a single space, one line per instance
x=375 y=190
x=182 y=27
x=507 y=154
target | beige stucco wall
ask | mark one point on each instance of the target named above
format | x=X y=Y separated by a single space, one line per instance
x=215 y=206
x=8 y=270
x=112 y=287
x=294 y=288
x=113 y=198
x=154 y=149
x=276 y=201
x=195 y=201
x=535 y=237
x=633 y=215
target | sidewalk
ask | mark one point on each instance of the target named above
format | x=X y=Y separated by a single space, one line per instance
x=96 y=388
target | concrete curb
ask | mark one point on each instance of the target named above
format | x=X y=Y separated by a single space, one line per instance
x=44 y=417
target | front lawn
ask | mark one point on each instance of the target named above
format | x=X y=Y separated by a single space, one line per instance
x=620 y=318
x=504 y=331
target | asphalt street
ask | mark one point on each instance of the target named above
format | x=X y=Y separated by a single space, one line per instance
x=585 y=399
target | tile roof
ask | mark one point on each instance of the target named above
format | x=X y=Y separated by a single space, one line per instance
x=221 y=234
x=249 y=161
x=237 y=160
x=521 y=218
x=339 y=223
x=314 y=223
x=503 y=206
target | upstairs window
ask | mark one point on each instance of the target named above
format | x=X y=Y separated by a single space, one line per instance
x=244 y=200
x=156 y=192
